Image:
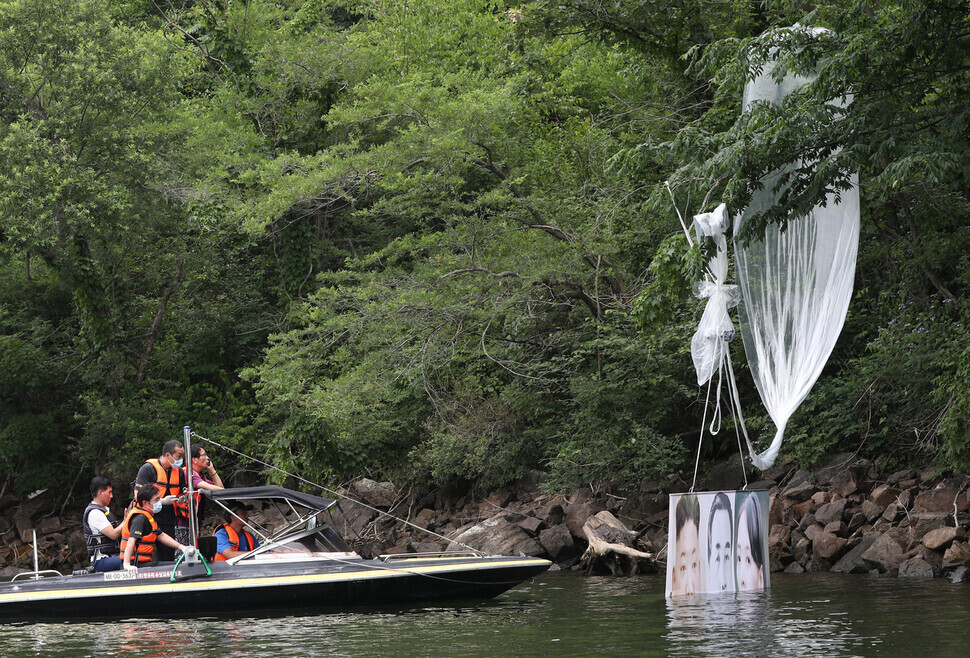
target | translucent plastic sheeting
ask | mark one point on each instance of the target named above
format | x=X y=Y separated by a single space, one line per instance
x=795 y=288
x=709 y=346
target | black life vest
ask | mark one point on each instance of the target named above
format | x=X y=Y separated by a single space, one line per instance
x=98 y=541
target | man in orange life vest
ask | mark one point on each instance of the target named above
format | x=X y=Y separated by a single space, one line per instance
x=140 y=534
x=232 y=538
x=166 y=476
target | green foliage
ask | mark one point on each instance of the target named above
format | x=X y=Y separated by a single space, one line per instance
x=426 y=239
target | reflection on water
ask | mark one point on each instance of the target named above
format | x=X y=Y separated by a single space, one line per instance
x=565 y=615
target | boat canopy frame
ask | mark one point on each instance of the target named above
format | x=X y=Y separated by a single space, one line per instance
x=312 y=505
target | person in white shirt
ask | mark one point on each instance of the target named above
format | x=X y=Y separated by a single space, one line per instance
x=101 y=529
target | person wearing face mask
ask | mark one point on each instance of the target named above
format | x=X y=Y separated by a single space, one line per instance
x=165 y=475
x=141 y=536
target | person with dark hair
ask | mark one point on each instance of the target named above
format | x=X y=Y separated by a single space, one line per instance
x=720 y=545
x=232 y=538
x=686 y=575
x=750 y=566
x=166 y=476
x=140 y=533
x=101 y=529
x=201 y=464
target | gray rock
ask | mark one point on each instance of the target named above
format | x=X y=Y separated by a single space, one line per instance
x=496 y=536
x=883 y=495
x=915 y=567
x=852 y=561
x=552 y=514
x=557 y=542
x=830 y=512
x=941 y=538
x=835 y=528
x=727 y=475
x=885 y=552
x=425 y=518
x=872 y=510
x=351 y=519
x=960 y=575
x=378 y=494
x=957 y=555
x=799 y=492
x=827 y=546
x=639 y=507
x=794 y=567
x=940 y=500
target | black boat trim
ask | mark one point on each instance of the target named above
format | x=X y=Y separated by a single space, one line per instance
x=375 y=572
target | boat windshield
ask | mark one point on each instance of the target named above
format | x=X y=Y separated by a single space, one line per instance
x=324 y=540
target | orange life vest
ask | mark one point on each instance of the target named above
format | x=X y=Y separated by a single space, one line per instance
x=169 y=484
x=145 y=546
x=234 y=539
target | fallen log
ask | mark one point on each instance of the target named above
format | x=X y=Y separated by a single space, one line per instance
x=611 y=549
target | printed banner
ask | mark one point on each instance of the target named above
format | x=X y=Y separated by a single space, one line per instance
x=717 y=542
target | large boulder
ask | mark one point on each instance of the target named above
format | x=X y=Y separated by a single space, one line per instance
x=852 y=561
x=826 y=546
x=830 y=512
x=941 y=538
x=496 y=536
x=351 y=519
x=579 y=512
x=916 y=567
x=639 y=507
x=943 y=499
x=800 y=491
x=957 y=555
x=377 y=494
x=558 y=542
x=883 y=495
x=886 y=552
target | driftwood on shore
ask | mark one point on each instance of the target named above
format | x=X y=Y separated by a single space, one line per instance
x=611 y=548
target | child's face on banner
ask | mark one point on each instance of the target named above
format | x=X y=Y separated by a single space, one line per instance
x=720 y=559
x=686 y=578
x=750 y=574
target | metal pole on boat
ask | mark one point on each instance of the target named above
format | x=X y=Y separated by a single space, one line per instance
x=36 y=561
x=190 y=472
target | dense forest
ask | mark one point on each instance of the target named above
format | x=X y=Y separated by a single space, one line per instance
x=433 y=239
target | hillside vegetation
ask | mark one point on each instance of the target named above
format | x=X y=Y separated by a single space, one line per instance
x=432 y=239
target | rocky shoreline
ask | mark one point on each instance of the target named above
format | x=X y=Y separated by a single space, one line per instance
x=847 y=516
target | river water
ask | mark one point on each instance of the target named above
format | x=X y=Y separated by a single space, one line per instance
x=563 y=614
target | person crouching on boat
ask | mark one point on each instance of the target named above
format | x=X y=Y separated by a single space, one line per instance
x=101 y=529
x=140 y=532
x=232 y=538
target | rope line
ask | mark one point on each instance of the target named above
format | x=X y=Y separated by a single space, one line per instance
x=336 y=494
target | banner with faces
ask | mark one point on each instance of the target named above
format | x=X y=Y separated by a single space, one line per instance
x=717 y=542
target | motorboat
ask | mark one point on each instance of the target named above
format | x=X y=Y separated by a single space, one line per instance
x=301 y=563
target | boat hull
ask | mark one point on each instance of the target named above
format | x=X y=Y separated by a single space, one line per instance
x=233 y=589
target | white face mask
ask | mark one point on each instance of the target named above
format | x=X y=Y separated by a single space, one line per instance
x=157 y=507
x=178 y=463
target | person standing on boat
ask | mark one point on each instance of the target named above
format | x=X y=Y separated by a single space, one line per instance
x=232 y=538
x=166 y=476
x=101 y=529
x=201 y=464
x=140 y=533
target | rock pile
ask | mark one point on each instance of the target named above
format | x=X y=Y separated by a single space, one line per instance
x=585 y=529
x=847 y=516
x=850 y=518
x=60 y=541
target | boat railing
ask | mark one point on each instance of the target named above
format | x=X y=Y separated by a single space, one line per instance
x=37 y=575
x=408 y=556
